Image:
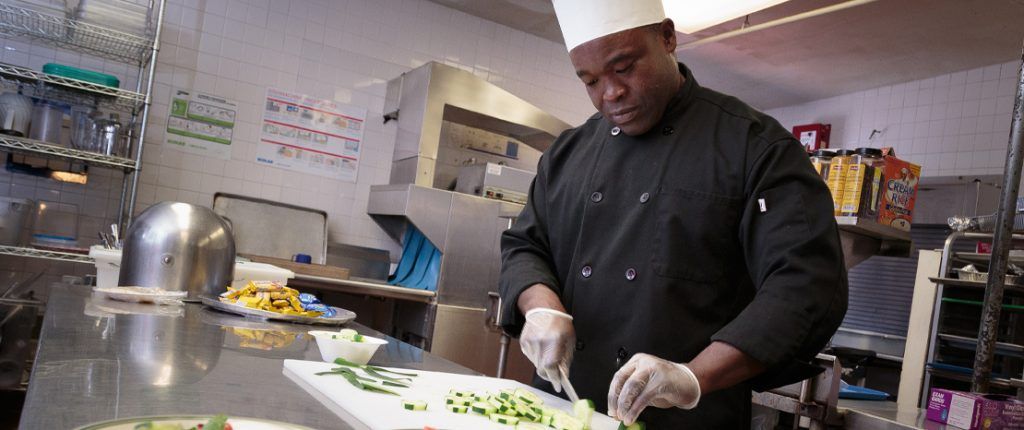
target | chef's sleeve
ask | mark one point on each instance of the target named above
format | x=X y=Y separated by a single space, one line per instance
x=526 y=254
x=792 y=250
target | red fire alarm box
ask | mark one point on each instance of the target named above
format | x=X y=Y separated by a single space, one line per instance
x=813 y=136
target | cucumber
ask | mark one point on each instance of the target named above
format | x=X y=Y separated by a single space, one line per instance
x=496 y=402
x=548 y=411
x=505 y=394
x=639 y=425
x=459 y=409
x=527 y=397
x=414 y=405
x=357 y=338
x=458 y=401
x=508 y=409
x=546 y=420
x=566 y=422
x=460 y=393
x=504 y=419
x=527 y=413
x=483 y=408
x=347 y=334
x=584 y=410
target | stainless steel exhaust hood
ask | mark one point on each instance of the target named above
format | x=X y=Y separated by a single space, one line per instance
x=424 y=97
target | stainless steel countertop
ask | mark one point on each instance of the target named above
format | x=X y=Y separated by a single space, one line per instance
x=875 y=415
x=99 y=360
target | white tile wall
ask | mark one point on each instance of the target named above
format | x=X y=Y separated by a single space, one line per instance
x=952 y=124
x=340 y=49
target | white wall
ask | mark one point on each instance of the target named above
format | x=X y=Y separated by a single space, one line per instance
x=951 y=124
x=340 y=49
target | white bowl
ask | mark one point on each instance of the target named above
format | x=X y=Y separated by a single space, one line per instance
x=356 y=352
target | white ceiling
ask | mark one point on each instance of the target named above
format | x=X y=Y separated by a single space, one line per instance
x=869 y=46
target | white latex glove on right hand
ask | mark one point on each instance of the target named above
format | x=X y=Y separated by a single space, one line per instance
x=548 y=340
x=647 y=380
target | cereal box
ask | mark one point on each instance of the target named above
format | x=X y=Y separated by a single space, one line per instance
x=974 y=411
x=899 y=193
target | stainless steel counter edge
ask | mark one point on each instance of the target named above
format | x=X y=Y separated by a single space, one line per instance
x=371 y=288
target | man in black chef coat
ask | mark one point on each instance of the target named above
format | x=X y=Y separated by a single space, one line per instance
x=677 y=249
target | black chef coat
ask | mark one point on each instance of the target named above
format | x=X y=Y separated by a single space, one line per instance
x=712 y=226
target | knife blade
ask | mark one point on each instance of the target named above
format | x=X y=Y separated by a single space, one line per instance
x=567 y=386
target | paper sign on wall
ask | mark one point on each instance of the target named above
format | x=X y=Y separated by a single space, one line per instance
x=311 y=135
x=201 y=123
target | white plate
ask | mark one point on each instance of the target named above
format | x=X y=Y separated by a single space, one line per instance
x=189 y=421
x=142 y=294
x=341 y=316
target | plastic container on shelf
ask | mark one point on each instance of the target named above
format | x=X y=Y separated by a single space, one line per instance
x=81 y=75
x=108 y=265
x=56 y=225
x=870 y=184
x=821 y=160
x=837 y=172
x=47 y=119
x=246 y=271
x=14 y=216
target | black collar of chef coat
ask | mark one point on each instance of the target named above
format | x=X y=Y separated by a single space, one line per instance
x=677 y=103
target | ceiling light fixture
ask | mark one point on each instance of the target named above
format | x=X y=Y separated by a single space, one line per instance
x=691 y=16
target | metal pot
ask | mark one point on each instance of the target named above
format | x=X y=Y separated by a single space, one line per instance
x=179 y=247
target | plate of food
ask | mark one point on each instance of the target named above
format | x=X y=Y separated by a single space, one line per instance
x=273 y=301
x=192 y=422
x=158 y=296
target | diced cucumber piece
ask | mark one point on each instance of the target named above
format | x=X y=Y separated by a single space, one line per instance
x=584 y=410
x=548 y=411
x=347 y=333
x=459 y=409
x=483 y=408
x=505 y=394
x=414 y=405
x=460 y=401
x=496 y=402
x=566 y=422
x=639 y=425
x=527 y=397
x=508 y=409
x=546 y=420
x=460 y=393
x=357 y=337
x=504 y=419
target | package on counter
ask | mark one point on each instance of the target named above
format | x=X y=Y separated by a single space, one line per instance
x=973 y=411
x=899 y=194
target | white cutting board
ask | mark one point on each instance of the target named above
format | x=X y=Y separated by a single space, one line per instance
x=384 y=412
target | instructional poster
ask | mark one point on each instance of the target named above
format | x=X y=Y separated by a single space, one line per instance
x=201 y=123
x=311 y=135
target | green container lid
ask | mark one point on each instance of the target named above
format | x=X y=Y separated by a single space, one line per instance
x=81 y=74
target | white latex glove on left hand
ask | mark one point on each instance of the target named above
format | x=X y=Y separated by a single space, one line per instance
x=647 y=380
x=548 y=340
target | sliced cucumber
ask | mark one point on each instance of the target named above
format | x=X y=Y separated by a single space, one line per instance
x=524 y=396
x=508 y=409
x=460 y=393
x=584 y=410
x=414 y=405
x=483 y=408
x=496 y=402
x=546 y=420
x=566 y=422
x=459 y=409
x=506 y=394
x=639 y=425
x=548 y=411
x=357 y=337
x=504 y=419
x=459 y=401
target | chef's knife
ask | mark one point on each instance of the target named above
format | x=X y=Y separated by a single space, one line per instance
x=567 y=386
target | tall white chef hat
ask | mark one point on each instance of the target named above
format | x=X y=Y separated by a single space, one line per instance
x=586 y=20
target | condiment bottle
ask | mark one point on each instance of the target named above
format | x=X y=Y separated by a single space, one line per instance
x=837 y=172
x=821 y=159
x=872 y=165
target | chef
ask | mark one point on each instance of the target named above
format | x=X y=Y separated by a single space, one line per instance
x=677 y=249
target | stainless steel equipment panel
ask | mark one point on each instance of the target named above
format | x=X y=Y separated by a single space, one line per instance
x=272 y=229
